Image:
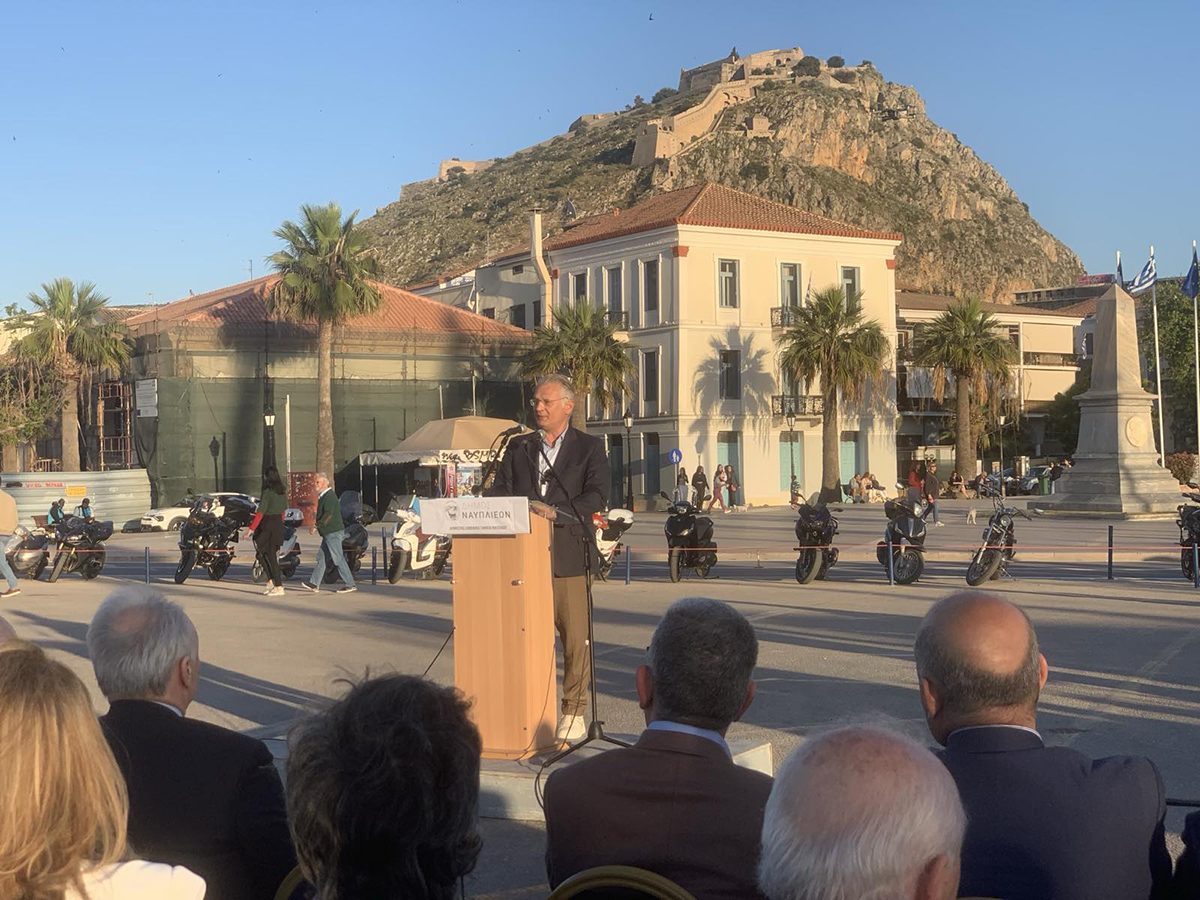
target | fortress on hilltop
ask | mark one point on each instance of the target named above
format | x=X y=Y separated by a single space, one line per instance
x=738 y=68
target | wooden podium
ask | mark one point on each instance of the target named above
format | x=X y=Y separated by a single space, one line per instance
x=504 y=639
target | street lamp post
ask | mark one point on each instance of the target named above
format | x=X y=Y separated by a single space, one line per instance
x=1003 y=419
x=627 y=421
x=269 y=438
x=791 y=424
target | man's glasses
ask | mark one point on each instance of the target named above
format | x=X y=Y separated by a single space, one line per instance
x=538 y=401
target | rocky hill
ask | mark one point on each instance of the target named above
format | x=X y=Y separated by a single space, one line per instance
x=830 y=148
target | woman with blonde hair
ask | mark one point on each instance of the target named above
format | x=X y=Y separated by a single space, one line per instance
x=63 y=805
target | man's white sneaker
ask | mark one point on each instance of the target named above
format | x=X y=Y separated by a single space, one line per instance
x=570 y=728
x=939 y=524
x=276 y=591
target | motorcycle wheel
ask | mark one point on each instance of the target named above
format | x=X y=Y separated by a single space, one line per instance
x=1185 y=563
x=881 y=554
x=257 y=573
x=187 y=560
x=396 y=565
x=807 y=566
x=288 y=571
x=983 y=567
x=354 y=563
x=60 y=562
x=908 y=566
x=604 y=570
x=218 y=567
x=828 y=561
x=439 y=566
x=94 y=565
x=673 y=564
x=39 y=568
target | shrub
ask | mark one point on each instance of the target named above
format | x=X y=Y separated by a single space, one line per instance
x=810 y=65
x=769 y=85
x=918 y=143
x=663 y=94
x=845 y=77
x=754 y=170
x=1182 y=466
x=835 y=62
x=868 y=63
x=638 y=101
x=1026 y=205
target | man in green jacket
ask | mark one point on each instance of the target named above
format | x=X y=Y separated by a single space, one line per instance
x=332 y=530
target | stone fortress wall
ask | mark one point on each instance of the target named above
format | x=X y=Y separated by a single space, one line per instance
x=468 y=166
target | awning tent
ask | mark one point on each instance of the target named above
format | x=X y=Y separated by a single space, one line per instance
x=465 y=440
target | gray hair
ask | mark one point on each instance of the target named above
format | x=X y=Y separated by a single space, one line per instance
x=321 y=475
x=561 y=380
x=136 y=637
x=966 y=688
x=702 y=654
x=856 y=814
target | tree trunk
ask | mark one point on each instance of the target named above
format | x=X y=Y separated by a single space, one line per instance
x=69 y=426
x=10 y=461
x=964 y=447
x=579 y=414
x=831 y=450
x=324 y=400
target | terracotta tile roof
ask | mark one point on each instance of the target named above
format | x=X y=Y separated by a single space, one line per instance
x=399 y=311
x=711 y=205
x=120 y=313
x=939 y=302
x=441 y=279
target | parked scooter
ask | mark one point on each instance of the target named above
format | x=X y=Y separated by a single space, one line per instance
x=289 y=550
x=28 y=552
x=354 y=544
x=411 y=552
x=815 y=529
x=207 y=539
x=1189 y=530
x=610 y=526
x=998 y=549
x=689 y=540
x=906 y=533
x=80 y=547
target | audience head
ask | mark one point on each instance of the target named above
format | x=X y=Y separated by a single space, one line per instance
x=144 y=647
x=861 y=812
x=978 y=664
x=383 y=791
x=63 y=805
x=7 y=632
x=700 y=668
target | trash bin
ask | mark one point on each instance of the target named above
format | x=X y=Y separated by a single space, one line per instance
x=1044 y=484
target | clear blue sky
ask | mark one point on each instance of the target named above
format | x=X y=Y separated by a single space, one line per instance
x=153 y=147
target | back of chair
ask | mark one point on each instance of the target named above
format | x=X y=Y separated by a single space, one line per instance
x=626 y=878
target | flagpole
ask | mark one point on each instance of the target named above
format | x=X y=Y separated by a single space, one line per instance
x=1162 y=444
x=1196 y=354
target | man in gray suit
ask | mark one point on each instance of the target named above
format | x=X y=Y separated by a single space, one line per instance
x=674 y=803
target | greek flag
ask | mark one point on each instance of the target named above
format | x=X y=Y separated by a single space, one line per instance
x=1191 y=281
x=1145 y=279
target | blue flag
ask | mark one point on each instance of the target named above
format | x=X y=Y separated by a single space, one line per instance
x=1191 y=281
x=1145 y=279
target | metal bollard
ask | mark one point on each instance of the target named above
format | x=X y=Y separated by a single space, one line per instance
x=1110 y=552
x=628 y=563
x=373 y=575
x=147 y=565
x=891 y=564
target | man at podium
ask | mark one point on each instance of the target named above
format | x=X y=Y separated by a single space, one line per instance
x=580 y=474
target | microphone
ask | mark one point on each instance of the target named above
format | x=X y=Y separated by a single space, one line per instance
x=509 y=432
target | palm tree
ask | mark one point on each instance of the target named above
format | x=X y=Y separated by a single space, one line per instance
x=830 y=340
x=966 y=340
x=325 y=267
x=581 y=345
x=65 y=333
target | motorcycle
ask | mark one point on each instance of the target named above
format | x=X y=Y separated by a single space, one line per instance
x=28 y=552
x=906 y=533
x=207 y=539
x=289 y=550
x=354 y=543
x=1189 y=530
x=610 y=526
x=998 y=548
x=689 y=540
x=815 y=529
x=80 y=547
x=411 y=552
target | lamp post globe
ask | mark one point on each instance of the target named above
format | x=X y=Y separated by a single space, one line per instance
x=627 y=421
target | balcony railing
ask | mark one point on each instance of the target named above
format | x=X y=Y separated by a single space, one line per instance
x=807 y=405
x=784 y=316
x=618 y=317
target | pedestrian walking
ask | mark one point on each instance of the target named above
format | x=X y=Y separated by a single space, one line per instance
x=268 y=536
x=933 y=489
x=8 y=524
x=681 y=486
x=718 y=494
x=915 y=480
x=332 y=531
x=735 y=496
x=700 y=487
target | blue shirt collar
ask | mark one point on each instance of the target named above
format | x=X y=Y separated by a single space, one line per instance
x=680 y=728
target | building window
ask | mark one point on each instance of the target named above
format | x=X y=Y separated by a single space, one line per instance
x=850 y=282
x=517 y=270
x=731 y=375
x=650 y=285
x=614 y=289
x=650 y=376
x=579 y=287
x=537 y=314
x=489 y=313
x=1089 y=341
x=518 y=315
x=653 y=480
x=789 y=284
x=727 y=274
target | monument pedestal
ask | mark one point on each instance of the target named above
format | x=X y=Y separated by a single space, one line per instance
x=1116 y=470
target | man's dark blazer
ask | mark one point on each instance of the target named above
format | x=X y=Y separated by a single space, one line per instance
x=1049 y=822
x=673 y=803
x=203 y=797
x=582 y=466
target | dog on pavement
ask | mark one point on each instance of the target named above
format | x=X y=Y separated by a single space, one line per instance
x=971 y=516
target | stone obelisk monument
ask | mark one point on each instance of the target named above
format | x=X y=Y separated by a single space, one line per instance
x=1116 y=471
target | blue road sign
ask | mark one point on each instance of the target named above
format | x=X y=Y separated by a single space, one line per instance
x=675 y=457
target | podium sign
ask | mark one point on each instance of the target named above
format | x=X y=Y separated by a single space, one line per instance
x=475 y=515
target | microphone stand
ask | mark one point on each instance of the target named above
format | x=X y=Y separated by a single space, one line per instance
x=595 y=730
x=489 y=470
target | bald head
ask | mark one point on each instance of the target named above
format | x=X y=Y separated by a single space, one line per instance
x=7 y=632
x=861 y=812
x=978 y=656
